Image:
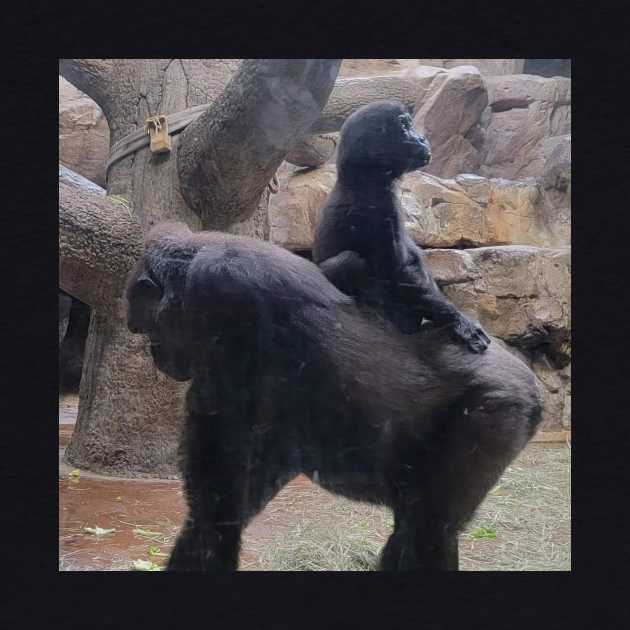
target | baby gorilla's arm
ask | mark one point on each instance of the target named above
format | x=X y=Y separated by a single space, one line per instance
x=416 y=288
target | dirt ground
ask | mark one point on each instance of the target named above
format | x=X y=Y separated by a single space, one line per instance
x=523 y=525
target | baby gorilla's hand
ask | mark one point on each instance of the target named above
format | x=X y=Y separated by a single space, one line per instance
x=470 y=333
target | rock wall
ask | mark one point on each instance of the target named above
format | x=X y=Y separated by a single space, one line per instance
x=465 y=211
x=528 y=117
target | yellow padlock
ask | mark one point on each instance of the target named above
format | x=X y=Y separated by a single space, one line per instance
x=157 y=128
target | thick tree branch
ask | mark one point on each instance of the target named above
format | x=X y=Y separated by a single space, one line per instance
x=99 y=241
x=228 y=155
x=350 y=94
x=91 y=76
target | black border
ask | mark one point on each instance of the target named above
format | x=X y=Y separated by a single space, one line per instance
x=585 y=598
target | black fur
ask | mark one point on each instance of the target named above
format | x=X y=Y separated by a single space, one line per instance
x=361 y=243
x=287 y=376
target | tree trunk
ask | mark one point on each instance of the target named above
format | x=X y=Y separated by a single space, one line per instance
x=129 y=413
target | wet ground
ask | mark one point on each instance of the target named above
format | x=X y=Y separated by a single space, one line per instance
x=138 y=520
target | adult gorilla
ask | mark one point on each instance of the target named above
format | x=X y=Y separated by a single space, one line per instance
x=287 y=376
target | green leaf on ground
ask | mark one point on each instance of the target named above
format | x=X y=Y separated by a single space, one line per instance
x=74 y=473
x=98 y=531
x=155 y=551
x=145 y=565
x=484 y=533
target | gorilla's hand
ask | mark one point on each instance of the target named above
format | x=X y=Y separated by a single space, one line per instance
x=469 y=332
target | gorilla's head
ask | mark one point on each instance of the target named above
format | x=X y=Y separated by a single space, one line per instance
x=380 y=138
x=155 y=293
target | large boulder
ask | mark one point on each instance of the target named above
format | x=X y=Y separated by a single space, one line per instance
x=524 y=113
x=83 y=134
x=468 y=210
x=448 y=110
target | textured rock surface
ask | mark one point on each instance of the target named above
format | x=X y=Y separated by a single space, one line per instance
x=293 y=210
x=522 y=296
x=464 y=211
x=83 y=134
x=448 y=109
x=313 y=150
x=519 y=293
x=525 y=112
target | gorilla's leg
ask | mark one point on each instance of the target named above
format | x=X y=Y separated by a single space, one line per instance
x=229 y=476
x=459 y=468
x=210 y=537
x=215 y=490
x=417 y=543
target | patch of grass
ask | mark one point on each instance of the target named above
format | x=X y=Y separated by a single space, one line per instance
x=329 y=544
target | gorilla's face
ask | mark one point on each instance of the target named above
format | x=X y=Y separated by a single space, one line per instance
x=157 y=313
x=380 y=136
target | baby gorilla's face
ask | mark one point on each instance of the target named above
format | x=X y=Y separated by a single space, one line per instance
x=418 y=149
x=380 y=136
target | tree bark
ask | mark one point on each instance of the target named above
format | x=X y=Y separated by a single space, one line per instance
x=129 y=413
x=267 y=106
x=99 y=240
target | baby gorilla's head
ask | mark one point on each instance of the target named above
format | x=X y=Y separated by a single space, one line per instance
x=380 y=138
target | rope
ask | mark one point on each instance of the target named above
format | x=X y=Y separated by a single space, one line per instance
x=139 y=139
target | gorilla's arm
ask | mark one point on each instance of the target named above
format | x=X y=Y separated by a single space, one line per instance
x=416 y=288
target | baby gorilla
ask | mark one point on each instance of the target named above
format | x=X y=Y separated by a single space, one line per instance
x=361 y=243
x=287 y=376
